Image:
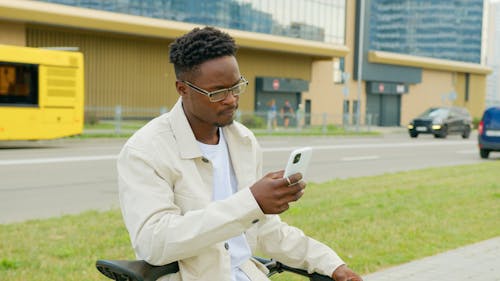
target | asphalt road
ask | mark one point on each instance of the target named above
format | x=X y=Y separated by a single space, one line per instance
x=50 y=178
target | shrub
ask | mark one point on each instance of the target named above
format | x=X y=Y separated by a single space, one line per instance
x=253 y=122
x=475 y=122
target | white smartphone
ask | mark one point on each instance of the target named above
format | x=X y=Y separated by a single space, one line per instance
x=298 y=161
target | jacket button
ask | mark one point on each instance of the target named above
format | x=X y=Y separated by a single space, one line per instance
x=226 y=245
x=204 y=159
x=255 y=221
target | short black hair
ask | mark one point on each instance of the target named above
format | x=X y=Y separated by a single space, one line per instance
x=198 y=46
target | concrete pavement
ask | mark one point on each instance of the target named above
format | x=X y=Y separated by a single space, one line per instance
x=476 y=262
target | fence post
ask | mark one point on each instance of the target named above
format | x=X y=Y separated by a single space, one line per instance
x=238 y=115
x=369 y=121
x=118 y=119
x=345 y=120
x=163 y=110
x=299 y=117
x=324 y=129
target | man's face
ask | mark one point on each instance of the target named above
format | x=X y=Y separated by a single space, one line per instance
x=216 y=74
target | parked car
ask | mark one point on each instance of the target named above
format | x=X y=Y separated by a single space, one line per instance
x=488 y=132
x=441 y=121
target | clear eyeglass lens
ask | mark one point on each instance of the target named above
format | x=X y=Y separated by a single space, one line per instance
x=240 y=89
x=236 y=91
x=219 y=95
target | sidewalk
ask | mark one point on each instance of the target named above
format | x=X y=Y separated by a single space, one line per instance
x=476 y=262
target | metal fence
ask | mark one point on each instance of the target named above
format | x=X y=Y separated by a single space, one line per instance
x=119 y=120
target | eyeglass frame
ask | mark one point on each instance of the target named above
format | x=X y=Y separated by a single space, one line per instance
x=243 y=81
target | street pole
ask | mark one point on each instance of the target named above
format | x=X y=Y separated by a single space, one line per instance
x=360 y=59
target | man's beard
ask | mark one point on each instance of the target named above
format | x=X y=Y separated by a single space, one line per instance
x=220 y=125
x=229 y=122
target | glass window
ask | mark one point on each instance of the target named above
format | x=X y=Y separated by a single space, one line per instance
x=317 y=20
x=429 y=28
x=18 y=83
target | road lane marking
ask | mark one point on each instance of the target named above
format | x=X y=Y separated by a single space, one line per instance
x=56 y=160
x=467 y=151
x=265 y=149
x=370 y=145
x=360 y=158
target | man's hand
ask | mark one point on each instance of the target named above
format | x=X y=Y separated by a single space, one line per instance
x=344 y=273
x=273 y=193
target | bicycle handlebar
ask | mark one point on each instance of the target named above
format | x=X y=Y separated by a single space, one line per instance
x=139 y=270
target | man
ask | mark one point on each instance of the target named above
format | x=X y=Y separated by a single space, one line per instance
x=286 y=113
x=190 y=181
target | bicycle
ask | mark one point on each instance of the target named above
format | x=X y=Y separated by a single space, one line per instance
x=139 y=270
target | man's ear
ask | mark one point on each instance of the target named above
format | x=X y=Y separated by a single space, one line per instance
x=181 y=88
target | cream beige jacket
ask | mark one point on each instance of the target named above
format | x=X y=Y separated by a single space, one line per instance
x=165 y=188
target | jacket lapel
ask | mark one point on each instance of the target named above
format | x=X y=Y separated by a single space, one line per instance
x=238 y=141
x=242 y=158
x=185 y=139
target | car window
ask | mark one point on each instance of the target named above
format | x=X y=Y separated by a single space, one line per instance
x=437 y=113
x=492 y=117
x=465 y=112
x=495 y=114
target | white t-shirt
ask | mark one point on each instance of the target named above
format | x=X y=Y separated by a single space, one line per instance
x=224 y=186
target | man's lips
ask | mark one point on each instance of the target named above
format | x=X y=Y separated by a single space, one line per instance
x=229 y=111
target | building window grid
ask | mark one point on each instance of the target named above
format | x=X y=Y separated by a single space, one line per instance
x=317 y=20
x=406 y=26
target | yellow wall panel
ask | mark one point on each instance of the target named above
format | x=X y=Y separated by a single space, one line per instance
x=12 y=33
x=429 y=93
x=477 y=93
x=135 y=71
x=127 y=71
x=255 y=64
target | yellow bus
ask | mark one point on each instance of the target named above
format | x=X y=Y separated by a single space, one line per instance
x=41 y=93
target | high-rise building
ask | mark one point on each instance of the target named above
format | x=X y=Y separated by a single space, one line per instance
x=407 y=44
x=407 y=54
x=431 y=28
x=270 y=16
x=493 y=55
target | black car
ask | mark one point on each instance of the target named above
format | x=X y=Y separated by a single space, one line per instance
x=488 y=132
x=441 y=121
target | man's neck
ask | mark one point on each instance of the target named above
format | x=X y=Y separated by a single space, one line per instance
x=203 y=132
x=210 y=136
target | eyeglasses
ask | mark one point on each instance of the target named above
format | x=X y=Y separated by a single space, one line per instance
x=218 y=95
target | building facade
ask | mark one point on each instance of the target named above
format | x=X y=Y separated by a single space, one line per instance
x=304 y=51
x=493 y=54
x=426 y=50
x=438 y=29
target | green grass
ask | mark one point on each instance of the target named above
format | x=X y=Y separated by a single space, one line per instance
x=107 y=130
x=330 y=130
x=372 y=222
x=133 y=125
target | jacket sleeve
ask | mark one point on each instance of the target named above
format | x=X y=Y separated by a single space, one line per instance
x=292 y=247
x=159 y=232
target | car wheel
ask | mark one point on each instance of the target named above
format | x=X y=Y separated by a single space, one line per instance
x=413 y=135
x=466 y=132
x=484 y=153
x=444 y=132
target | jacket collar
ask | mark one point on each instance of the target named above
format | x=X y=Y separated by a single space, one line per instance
x=186 y=141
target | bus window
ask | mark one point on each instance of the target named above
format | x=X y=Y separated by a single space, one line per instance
x=18 y=84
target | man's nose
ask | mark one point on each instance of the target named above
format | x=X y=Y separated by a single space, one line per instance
x=230 y=98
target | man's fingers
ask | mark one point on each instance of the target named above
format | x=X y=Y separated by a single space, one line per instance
x=284 y=207
x=297 y=190
x=299 y=194
x=276 y=175
x=293 y=179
